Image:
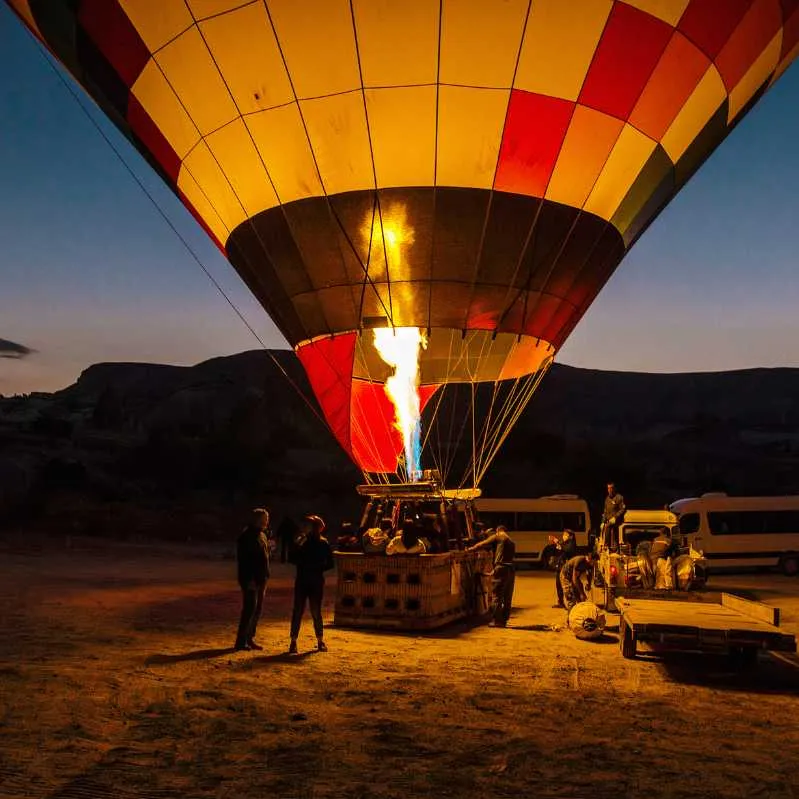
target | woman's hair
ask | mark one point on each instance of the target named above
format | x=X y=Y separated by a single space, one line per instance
x=316 y=522
x=258 y=516
x=409 y=534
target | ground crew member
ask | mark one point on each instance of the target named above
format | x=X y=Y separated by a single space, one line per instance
x=504 y=577
x=567 y=549
x=574 y=571
x=252 y=558
x=312 y=555
x=613 y=515
x=664 y=546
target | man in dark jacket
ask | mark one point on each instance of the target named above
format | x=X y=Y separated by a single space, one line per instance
x=312 y=555
x=504 y=573
x=252 y=556
x=567 y=549
x=613 y=515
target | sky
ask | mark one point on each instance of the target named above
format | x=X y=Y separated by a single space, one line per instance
x=90 y=272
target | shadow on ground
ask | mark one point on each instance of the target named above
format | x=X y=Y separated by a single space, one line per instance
x=771 y=674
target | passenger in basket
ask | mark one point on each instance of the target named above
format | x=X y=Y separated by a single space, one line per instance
x=504 y=573
x=312 y=556
x=576 y=577
x=252 y=560
x=566 y=548
x=663 y=547
x=375 y=539
x=407 y=542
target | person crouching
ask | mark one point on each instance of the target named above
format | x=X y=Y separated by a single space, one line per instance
x=252 y=557
x=312 y=555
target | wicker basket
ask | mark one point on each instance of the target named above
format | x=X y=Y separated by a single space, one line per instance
x=409 y=592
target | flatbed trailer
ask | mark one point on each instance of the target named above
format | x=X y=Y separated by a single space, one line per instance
x=732 y=625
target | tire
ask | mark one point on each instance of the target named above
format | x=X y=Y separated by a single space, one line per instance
x=744 y=659
x=627 y=641
x=790 y=565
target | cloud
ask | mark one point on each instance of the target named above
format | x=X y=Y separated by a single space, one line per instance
x=10 y=349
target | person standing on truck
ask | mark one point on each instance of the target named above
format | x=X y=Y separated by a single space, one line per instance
x=576 y=577
x=312 y=555
x=504 y=577
x=613 y=515
x=252 y=561
x=567 y=549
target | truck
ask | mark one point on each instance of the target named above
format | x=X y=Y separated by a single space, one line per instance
x=624 y=568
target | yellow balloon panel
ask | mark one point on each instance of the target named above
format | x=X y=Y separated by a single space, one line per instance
x=480 y=41
x=704 y=101
x=318 y=43
x=470 y=123
x=172 y=19
x=243 y=45
x=402 y=125
x=235 y=155
x=280 y=137
x=192 y=75
x=397 y=42
x=165 y=109
x=340 y=141
x=629 y=154
x=589 y=140
x=559 y=44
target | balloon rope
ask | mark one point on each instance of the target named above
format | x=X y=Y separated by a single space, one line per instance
x=177 y=233
x=534 y=382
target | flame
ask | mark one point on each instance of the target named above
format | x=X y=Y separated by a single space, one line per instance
x=400 y=347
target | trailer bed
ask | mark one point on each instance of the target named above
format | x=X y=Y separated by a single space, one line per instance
x=733 y=625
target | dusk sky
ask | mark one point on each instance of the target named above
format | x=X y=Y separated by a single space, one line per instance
x=90 y=272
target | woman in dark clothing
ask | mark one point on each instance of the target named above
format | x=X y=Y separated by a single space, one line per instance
x=312 y=555
x=567 y=549
x=252 y=556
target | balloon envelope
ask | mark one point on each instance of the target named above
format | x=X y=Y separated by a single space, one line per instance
x=473 y=168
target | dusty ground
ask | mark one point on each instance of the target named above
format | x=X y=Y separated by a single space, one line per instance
x=116 y=681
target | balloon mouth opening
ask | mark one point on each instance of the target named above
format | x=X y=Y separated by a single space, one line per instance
x=401 y=348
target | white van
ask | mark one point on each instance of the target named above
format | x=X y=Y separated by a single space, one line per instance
x=735 y=532
x=530 y=523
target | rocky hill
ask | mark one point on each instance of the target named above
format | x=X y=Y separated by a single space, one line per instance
x=142 y=449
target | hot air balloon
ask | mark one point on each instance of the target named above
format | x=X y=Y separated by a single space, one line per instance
x=428 y=190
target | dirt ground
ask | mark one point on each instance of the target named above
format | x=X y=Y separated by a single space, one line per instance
x=116 y=680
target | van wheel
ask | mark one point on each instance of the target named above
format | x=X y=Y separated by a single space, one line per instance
x=790 y=565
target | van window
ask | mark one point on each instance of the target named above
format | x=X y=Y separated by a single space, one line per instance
x=551 y=521
x=495 y=518
x=737 y=522
x=689 y=523
x=782 y=521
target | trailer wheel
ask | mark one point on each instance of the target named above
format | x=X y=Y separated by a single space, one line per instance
x=744 y=658
x=627 y=641
x=790 y=565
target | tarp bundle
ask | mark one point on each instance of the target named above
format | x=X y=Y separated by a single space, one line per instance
x=586 y=621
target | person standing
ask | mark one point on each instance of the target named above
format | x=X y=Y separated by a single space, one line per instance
x=312 y=555
x=613 y=515
x=567 y=549
x=504 y=577
x=252 y=560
